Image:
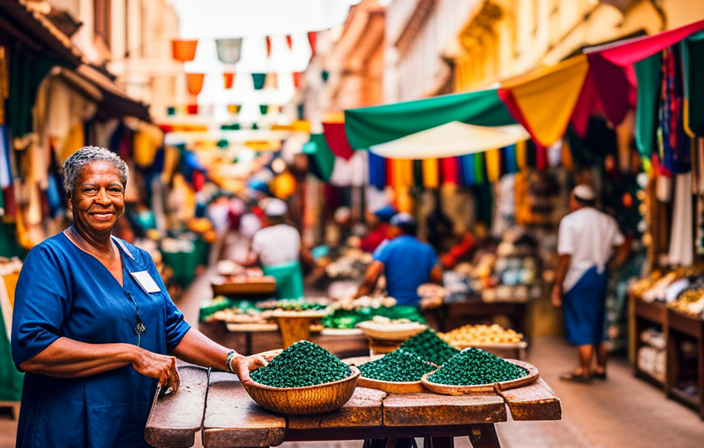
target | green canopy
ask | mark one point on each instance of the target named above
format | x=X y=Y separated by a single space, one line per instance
x=649 y=74
x=322 y=156
x=370 y=126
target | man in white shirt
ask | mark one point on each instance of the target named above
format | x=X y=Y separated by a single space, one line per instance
x=586 y=240
x=277 y=247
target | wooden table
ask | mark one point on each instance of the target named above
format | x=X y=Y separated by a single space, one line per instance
x=217 y=404
x=455 y=314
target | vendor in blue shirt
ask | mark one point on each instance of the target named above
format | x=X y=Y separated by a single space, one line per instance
x=93 y=326
x=406 y=262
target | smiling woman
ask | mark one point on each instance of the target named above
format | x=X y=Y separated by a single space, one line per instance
x=93 y=326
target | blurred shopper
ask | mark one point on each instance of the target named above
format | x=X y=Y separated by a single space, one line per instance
x=465 y=242
x=379 y=224
x=406 y=262
x=586 y=240
x=277 y=247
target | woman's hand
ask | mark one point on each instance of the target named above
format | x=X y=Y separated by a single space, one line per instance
x=161 y=367
x=242 y=365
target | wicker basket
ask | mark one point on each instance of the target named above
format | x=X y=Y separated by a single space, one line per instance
x=304 y=400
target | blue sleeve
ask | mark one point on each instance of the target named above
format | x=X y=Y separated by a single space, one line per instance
x=41 y=304
x=380 y=254
x=175 y=325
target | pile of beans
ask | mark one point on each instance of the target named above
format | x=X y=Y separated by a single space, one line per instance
x=398 y=366
x=428 y=345
x=473 y=366
x=302 y=364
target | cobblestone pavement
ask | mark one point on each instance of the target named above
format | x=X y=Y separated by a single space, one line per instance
x=620 y=412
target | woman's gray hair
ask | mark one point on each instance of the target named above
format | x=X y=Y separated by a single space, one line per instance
x=89 y=154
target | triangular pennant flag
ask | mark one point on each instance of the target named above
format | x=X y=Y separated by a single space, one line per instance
x=192 y=109
x=289 y=42
x=183 y=50
x=263 y=108
x=229 y=79
x=296 y=79
x=234 y=108
x=312 y=37
x=258 y=79
x=229 y=50
x=272 y=81
x=325 y=75
x=268 y=45
x=171 y=110
x=195 y=82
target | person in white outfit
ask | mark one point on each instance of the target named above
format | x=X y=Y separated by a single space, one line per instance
x=586 y=242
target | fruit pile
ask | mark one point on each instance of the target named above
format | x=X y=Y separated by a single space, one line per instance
x=398 y=366
x=429 y=347
x=480 y=334
x=302 y=364
x=474 y=366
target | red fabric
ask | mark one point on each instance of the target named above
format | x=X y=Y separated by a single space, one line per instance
x=289 y=42
x=312 y=37
x=449 y=170
x=541 y=156
x=192 y=109
x=268 y=45
x=389 y=172
x=509 y=100
x=296 y=79
x=229 y=80
x=630 y=51
x=612 y=86
x=457 y=251
x=337 y=140
x=370 y=242
x=8 y=196
x=198 y=180
x=587 y=104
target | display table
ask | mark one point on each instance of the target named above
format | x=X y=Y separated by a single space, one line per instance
x=455 y=314
x=217 y=404
x=644 y=315
x=246 y=288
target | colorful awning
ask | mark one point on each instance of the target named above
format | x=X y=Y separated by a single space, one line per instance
x=451 y=139
x=375 y=125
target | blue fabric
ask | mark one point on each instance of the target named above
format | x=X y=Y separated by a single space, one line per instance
x=511 y=160
x=468 y=169
x=407 y=265
x=585 y=309
x=63 y=291
x=377 y=171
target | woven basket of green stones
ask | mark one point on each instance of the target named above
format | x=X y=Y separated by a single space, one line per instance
x=303 y=379
x=475 y=371
x=398 y=372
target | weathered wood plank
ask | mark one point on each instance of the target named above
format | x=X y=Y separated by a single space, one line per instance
x=430 y=409
x=363 y=410
x=232 y=419
x=533 y=402
x=174 y=419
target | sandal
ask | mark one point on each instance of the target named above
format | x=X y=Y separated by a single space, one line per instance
x=570 y=376
x=600 y=376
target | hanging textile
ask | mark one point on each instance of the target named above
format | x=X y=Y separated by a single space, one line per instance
x=681 y=251
x=375 y=125
x=268 y=46
x=450 y=171
x=4 y=82
x=296 y=79
x=673 y=141
x=402 y=173
x=468 y=169
x=263 y=109
x=10 y=379
x=184 y=50
x=352 y=172
x=146 y=142
x=229 y=50
x=289 y=42
x=611 y=65
x=431 y=173
x=258 y=79
x=493 y=165
x=337 y=140
x=693 y=58
x=229 y=80
x=522 y=154
x=545 y=98
x=234 y=108
x=648 y=72
x=587 y=105
x=271 y=81
x=511 y=159
x=312 y=38
x=195 y=82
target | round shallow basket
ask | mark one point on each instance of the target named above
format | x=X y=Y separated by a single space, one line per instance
x=390 y=332
x=445 y=389
x=304 y=400
x=392 y=387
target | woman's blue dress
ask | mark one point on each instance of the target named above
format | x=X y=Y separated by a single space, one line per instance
x=63 y=291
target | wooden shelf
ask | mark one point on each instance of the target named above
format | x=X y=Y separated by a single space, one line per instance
x=644 y=374
x=654 y=312
x=690 y=401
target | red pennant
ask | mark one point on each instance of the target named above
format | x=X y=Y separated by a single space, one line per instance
x=296 y=79
x=192 y=109
x=312 y=37
x=229 y=79
x=289 y=42
x=268 y=45
x=183 y=50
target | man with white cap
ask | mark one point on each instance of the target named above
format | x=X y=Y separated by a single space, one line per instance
x=277 y=247
x=586 y=240
x=406 y=262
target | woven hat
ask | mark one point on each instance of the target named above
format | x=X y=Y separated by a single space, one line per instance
x=584 y=192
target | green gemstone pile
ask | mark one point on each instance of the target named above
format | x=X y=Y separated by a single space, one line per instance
x=291 y=305
x=428 y=345
x=398 y=366
x=302 y=364
x=474 y=366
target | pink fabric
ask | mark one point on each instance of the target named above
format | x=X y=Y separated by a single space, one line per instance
x=337 y=140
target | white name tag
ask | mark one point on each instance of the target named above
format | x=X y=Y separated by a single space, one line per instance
x=145 y=281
